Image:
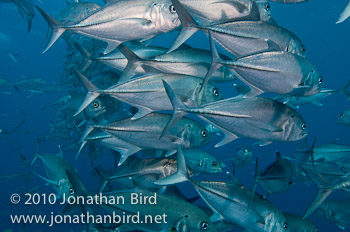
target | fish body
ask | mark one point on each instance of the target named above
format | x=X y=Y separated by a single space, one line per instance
x=298 y=224
x=231 y=202
x=185 y=216
x=147 y=92
x=332 y=153
x=121 y=21
x=335 y=211
x=263 y=119
x=202 y=162
x=146 y=132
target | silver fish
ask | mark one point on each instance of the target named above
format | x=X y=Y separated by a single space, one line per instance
x=147 y=92
x=145 y=132
x=114 y=22
x=242 y=37
x=277 y=72
x=345 y=14
x=259 y=118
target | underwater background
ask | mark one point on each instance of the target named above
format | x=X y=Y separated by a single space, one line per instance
x=313 y=22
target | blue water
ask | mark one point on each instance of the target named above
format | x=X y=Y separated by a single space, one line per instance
x=314 y=22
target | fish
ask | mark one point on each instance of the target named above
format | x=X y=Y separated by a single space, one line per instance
x=112 y=23
x=230 y=201
x=277 y=72
x=215 y=11
x=298 y=224
x=277 y=177
x=179 y=62
x=263 y=119
x=147 y=92
x=240 y=38
x=145 y=132
x=185 y=216
x=243 y=157
x=332 y=153
x=265 y=11
x=327 y=182
x=298 y=101
x=335 y=211
x=25 y=8
x=344 y=118
x=55 y=167
x=200 y=161
x=345 y=14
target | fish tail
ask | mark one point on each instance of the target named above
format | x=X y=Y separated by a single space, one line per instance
x=215 y=62
x=103 y=177
x=257 y=177
x=133 y=62
x=36 y=154
x=344 y=15
x=189 y=26
x=87 y=61
x=345 y=91
x=56 y=27
x=182 y=173
x=178 y=106
x=92 y=93
x=89 y=128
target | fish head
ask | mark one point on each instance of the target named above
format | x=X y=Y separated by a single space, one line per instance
x=264 y=10
x=211 y=165
x=244 y=153
x=208 y=94
x=195 y=134
x=344 y=118
x=294 y=127
x=95 y=108
x=197 y=221
x=275 y=221
x=312 y=81
x=163 y=15
x=65 y=187
x=296 y=47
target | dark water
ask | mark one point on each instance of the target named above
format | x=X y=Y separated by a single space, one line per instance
x=314 y=22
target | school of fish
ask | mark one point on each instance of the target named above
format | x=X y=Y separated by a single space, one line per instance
x=154 y=108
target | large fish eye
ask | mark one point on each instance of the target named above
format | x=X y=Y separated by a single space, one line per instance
x=303 y=126
x=71 y=191
x=216 y=92
x=303 y=49
x=214 y=164
x=342 y=115
x=95 y=105
x=320 y=79
x=172 y=9
x=285 y=226
x=204 y=133
x=267 y=6
x=204 y=226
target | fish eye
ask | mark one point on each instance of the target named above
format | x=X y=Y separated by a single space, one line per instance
x=342 y=115
x=95 y=104
x=285 y=226
x=216 y=92
x=303 y=126
x=204 y=133
x=71 y=191
x=287 y=49
x=267 y=6
x=172 y=9
x=303 y=49
x=320 y=79
x=214 y=164
x=204 y=226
